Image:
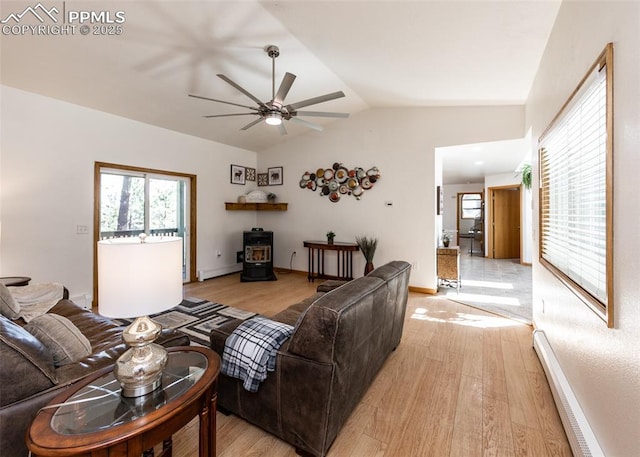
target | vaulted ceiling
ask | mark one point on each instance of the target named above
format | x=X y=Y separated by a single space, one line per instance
x=379 y=53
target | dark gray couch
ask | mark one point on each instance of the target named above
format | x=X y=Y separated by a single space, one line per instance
x=341 y=340
x=29 y=380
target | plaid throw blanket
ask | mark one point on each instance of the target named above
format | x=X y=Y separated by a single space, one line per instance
x=250 y=351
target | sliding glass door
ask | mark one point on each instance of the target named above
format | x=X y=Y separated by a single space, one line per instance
x=131 y=201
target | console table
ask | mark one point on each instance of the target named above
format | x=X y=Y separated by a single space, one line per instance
x=449 y=266
x=344 y=259
x=91 y=418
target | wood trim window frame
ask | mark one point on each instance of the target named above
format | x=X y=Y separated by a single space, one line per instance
x=98 y=166
x=605 y=311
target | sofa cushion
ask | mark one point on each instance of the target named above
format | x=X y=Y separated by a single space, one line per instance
x=292 y=313
x=331 y=284
x=8 y=306
x=105 y=337
x=65 y=341
x=27 y=365
x=322 y=326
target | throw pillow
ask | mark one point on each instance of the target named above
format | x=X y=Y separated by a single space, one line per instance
x=26 y=367
x=61 y=337
x=9 y=308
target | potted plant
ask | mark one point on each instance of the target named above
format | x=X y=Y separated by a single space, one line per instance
x=446 y=239
x=330 y=237
x=368 y=247
x=525 y=169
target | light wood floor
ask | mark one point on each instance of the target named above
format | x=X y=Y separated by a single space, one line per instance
x=461 y=383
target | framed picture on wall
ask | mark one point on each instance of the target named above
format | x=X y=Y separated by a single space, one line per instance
x=263 y=179
x=275 y=176
x=250 y=174
x=439 y=200
x=237 y=175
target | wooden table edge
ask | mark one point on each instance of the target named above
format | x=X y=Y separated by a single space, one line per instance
x=40 y=426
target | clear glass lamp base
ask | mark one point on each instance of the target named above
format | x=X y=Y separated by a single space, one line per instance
x=139 y=369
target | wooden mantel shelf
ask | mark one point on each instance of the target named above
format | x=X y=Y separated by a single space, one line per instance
x=255 y=206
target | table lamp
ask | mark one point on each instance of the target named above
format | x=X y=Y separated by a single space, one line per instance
x=138 y=277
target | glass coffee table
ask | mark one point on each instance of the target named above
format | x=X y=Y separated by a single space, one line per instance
x=91 y=417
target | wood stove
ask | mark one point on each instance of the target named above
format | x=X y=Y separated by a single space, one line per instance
x=257 y=264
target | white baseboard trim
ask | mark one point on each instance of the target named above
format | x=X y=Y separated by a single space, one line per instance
x=214 y=272
x=581 y=438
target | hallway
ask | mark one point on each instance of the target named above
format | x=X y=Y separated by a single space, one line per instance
x=502 y=286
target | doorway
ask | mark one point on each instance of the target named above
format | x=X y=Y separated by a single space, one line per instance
x=129 y=201
x=504 y=215
x=497 y=282
x=470 y=223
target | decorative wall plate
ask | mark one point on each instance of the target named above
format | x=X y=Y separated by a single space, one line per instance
x=342 y=174
x=337 y=181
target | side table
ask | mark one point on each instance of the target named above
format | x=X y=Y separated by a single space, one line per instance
x=15 y=280
x=449 y=266
x=344 y=254
x=95 y=420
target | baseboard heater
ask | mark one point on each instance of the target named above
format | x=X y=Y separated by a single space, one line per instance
x=215 y=272
x=581 y=438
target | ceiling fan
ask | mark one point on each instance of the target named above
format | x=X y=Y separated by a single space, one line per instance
x=275 y=111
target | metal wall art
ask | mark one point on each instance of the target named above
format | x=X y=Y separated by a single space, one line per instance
x=338 y=181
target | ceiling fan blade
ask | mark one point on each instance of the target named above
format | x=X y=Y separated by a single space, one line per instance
x=315 y=100
x=319 y=114
x=311 y=125
x=283 y=131
x=234 y=114
x=251 y=124
x=222 y=101
x=284 y=88
x=244 y=91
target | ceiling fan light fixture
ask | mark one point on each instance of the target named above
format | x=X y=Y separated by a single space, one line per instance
x=275 y=112
x=273 y=118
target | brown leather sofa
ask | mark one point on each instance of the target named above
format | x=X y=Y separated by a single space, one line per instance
x=341 y=339
x=29 y=380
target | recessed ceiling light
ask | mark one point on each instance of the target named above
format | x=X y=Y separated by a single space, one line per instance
x=479 y=162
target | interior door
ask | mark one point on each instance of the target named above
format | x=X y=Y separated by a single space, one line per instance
x=505 y=222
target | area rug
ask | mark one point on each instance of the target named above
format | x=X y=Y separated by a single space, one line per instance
x=196 y=318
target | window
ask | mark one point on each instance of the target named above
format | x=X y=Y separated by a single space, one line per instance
x=134 y=203
x=576 y=221
x=129 y=201
x=471 y=207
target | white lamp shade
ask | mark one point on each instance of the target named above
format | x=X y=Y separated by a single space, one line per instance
x=139 y=278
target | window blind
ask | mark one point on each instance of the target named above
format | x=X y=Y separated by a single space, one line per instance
x=574 y=228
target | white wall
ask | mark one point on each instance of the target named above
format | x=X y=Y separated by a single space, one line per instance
x=402 y=143
x=48 y=152
x=527 y=207
x=602 y=364
x=501 y=180
x=49 y=148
